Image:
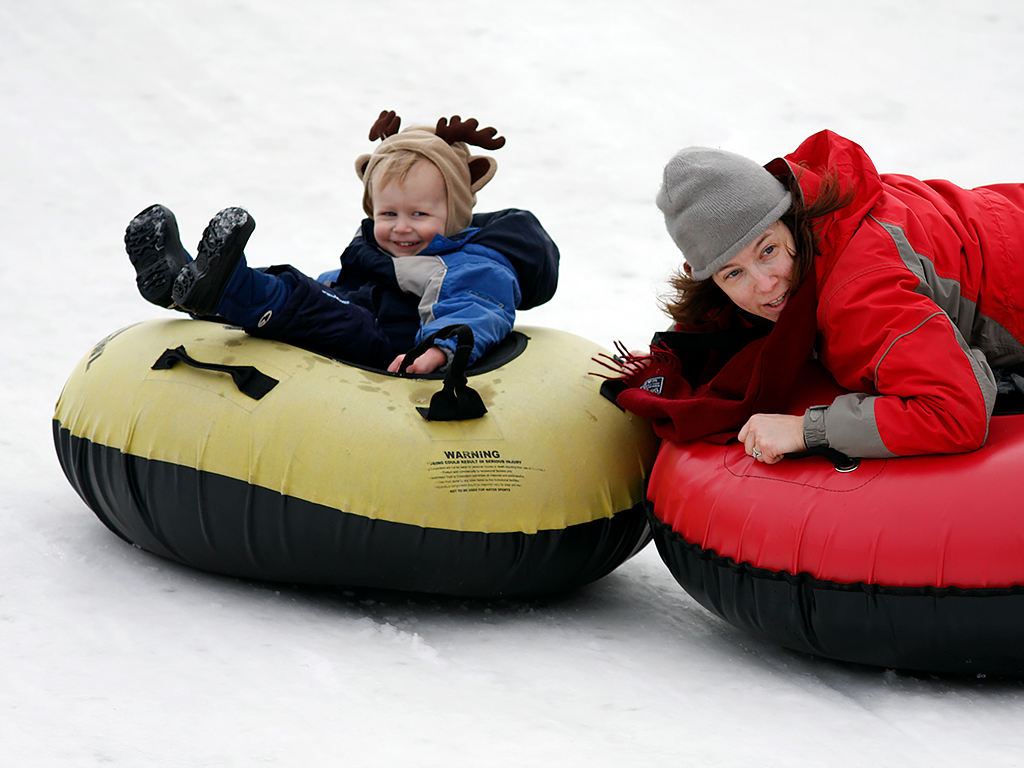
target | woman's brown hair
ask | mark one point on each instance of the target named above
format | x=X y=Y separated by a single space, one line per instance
x=693 y=302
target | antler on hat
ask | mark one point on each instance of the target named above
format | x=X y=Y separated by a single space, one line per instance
x=446 y=146
x=456 y=130
x=387 y=125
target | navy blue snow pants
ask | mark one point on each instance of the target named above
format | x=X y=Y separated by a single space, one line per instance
x=320 y=319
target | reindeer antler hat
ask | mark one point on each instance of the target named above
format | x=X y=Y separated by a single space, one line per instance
x=446 y=146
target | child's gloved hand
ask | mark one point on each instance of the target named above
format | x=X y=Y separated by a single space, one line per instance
x=428 y=362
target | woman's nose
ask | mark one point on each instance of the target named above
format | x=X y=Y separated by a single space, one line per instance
x=765 y=280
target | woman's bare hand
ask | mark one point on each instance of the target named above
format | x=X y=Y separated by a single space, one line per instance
x=768 y=437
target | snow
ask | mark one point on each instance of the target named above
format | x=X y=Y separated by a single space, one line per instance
x=109 y=655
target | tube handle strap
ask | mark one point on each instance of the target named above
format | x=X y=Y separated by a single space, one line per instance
x=840 y=461
x=249 y=380
x=456 y=400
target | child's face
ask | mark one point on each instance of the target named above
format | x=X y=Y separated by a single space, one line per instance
x=407 y=214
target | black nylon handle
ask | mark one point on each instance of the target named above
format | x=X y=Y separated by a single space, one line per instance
x=456 y=400
x=249 y=380
x=840 y=461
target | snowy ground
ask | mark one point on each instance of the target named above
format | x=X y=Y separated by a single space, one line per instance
x=111 y=656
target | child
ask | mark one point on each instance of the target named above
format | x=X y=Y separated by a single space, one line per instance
x=422 y=262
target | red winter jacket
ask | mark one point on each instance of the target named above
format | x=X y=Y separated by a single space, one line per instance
x=918 y=298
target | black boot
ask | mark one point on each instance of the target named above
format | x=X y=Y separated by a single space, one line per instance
x=155 y=250
x=199 y=286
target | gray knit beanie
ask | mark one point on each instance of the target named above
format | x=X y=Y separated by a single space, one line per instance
x=715 y=204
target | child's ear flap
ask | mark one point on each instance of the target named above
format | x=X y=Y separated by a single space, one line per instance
x=361 y=162
x=481 y=169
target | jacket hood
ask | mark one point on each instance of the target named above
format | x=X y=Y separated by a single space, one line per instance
x=822 y=153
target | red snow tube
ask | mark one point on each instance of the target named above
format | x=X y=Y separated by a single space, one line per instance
x=911 y=563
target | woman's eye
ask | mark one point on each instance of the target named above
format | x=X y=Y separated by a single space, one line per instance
x=769 y=250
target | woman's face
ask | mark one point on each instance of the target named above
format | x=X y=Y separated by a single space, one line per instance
x=758 y=279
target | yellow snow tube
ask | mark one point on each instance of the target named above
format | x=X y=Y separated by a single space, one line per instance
x=257 y=459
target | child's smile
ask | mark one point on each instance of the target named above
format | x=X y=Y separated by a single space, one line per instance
x=408 y=213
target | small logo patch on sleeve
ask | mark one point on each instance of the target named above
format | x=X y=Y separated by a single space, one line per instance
x=654 y=384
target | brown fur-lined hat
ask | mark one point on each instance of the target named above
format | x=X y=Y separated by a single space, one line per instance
x=446 y=146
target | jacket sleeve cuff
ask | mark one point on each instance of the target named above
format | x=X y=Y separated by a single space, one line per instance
x=448 y=347
x=814 y=427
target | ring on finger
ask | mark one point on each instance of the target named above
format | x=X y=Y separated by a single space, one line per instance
x=756 y=453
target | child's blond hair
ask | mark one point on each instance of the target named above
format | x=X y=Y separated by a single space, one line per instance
x=394 y=166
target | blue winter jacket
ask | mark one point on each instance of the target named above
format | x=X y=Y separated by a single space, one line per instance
x=461 y=283
x=479 y=278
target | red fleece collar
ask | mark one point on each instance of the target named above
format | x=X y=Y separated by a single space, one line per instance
x=759 y=378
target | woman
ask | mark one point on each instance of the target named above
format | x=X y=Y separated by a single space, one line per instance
x=906 y=291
